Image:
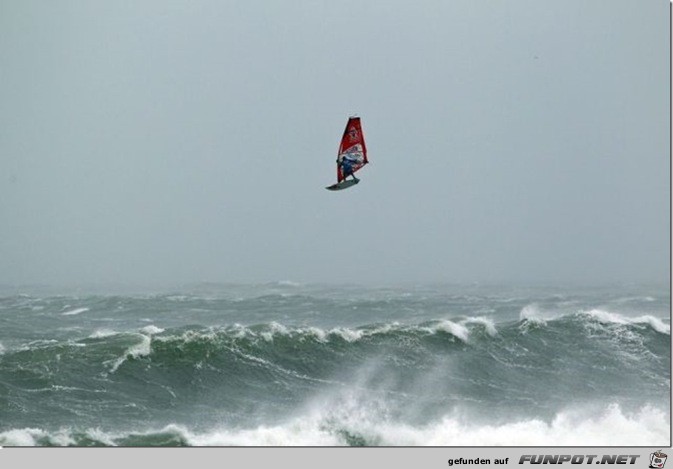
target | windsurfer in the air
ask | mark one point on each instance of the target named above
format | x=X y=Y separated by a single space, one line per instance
x=346 y=166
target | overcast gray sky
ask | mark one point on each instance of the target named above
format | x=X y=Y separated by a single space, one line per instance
x=183 y=141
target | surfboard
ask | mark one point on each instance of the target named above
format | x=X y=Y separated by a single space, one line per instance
x=345 y=184
x=353 y=149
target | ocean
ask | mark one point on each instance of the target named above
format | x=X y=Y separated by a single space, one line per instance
x=287 y=364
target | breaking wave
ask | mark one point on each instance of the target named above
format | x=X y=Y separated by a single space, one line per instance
x=608 y=426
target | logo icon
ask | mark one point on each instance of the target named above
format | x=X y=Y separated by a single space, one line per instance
x=657 y=459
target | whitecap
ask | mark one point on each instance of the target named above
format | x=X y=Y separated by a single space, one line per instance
x=606 y=317
x=487 y=323
x=102 y=333
x=151 y=329
x=239 y=331
x=454 y=329
x=21 y=437
x=141 y=349
x=274 y=329
x=383 y=329
x=531 y=317
x=185 y=337
x=319 y=334
x=75 y=311
x=33 y=436
x=349 y=335
x=655 y=323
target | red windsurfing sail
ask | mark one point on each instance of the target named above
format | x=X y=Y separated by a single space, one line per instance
x=352 y=148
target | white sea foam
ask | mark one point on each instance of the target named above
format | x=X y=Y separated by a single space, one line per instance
x=240 y=331
x=191 y=336
x=457 y=330
x=210 y=334
x=607 y=317
x=349 y=335
x=384 y=328
x=569 y=428
x=97 y=434
x=141 y=349
x=655 y=323
x=75 y=311
x=333 y=426
x=33 y=437
x=275 y=328
x=530 y=315
x=151 y=329
x=609 y=427
x=296 y=433
x=21 y=437
x=319 y=334
x=322 y=335
x=488 y=324
x=101 y=333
